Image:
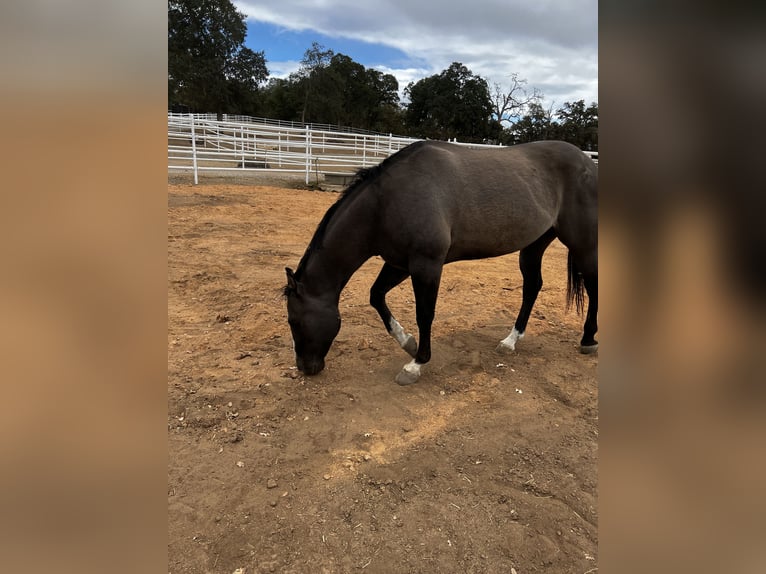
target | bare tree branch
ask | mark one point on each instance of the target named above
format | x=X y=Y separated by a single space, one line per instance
x=513 y=102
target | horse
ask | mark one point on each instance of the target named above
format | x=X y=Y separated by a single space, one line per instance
x=432 y=203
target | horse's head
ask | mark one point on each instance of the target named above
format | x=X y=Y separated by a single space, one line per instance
x=314 y=323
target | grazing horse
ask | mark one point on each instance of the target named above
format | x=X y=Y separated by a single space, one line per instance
x=430 y=204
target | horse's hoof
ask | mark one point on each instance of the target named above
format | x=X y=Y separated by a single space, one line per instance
x=509 y=343
x=405 y=379
x=411 y=346
x=409 y=374
x=588 y=349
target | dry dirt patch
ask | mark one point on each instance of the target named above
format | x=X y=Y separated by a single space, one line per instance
x=486 y=464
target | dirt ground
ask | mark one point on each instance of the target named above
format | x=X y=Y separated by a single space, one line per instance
x=486 y=464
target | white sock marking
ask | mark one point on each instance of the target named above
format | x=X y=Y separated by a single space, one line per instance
x=413 y=368
x=510 y=341
x=397 y=332
x=409 y=373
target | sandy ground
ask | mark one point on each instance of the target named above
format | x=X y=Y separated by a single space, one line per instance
x=486 y=464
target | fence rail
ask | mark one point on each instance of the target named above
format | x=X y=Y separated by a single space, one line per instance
x=201 y=143
x=272 y=122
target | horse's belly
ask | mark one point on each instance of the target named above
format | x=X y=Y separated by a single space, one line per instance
x=489 y=242
x=464 y=252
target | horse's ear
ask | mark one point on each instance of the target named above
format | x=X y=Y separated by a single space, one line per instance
x=291 y=282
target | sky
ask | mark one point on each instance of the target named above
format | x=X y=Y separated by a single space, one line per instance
x=553 y=44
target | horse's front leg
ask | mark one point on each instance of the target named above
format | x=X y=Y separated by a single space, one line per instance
x=425 y=284
x=388 y=278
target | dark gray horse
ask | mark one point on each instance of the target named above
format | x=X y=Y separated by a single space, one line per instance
x=432 y=203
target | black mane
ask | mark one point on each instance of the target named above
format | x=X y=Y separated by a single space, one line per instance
x=361 y=178
x=357 y=184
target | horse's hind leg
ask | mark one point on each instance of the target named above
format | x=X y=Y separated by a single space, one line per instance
x=530 y=263
x=588 y=266
x=388 y=278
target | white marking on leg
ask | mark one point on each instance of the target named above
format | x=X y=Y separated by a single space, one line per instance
x=510 y=341
x=413 y=368
x=409 y=373
x=405 y=340
x=397 y=332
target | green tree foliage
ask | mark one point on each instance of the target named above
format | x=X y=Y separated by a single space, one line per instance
x=359 y=97
x=282 y=99
x=535 y=125
x=209 y=68
x=386 y=113
x=452 y=104
x=331 y=88
x=579 y=125
x=313 y=81
x=575 y=123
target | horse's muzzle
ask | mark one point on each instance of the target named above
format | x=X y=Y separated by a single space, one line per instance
x=309 y=368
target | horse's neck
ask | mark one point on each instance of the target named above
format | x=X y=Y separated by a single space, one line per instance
x=346 y=246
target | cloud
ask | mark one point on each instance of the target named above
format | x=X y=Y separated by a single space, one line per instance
x=551 y=43
x=283 y=69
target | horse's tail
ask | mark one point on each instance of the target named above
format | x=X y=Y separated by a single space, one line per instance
x=575 y=286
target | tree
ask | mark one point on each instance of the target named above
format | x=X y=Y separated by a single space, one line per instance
x=310 y=74
x=576 y=124
x=209 y=68
x=537 y=124
x=452 y=104
x=282 y=99
x=579 y=125
x=511 y=104
x=332 y=88
x=384 y=115
x=360 y=97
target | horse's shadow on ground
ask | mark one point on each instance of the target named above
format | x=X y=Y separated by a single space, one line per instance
x=466 y=353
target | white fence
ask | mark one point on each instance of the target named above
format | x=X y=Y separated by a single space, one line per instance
x=200 y=143
x=271 y=122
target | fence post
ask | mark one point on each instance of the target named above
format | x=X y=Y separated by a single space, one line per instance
x=242 y=135
x=308 y=153
x=194 y=149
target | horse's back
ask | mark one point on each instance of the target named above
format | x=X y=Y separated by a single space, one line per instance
x=482 y=202
x=534 y=172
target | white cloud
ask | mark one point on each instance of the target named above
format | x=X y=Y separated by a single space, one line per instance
x=551 y=43
x=282 y=69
